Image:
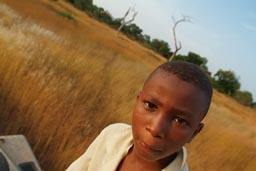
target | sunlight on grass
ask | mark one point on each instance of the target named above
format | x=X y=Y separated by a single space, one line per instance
x=53 y=92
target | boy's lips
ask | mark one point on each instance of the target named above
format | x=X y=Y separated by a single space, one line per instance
x=150 y=148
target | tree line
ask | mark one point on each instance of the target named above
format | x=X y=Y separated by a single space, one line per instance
x=225 y=81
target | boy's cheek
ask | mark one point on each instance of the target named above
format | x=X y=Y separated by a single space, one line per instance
x=180 y=135
x=139 y=109
x=139 y=117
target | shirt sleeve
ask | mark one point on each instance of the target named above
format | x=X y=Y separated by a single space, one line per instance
x=82 y=163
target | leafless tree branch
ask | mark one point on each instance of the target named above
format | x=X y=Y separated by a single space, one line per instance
x=176 y=22
x=123 y=22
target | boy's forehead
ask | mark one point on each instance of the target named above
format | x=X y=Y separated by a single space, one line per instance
x=160 y=75
x=166 y=81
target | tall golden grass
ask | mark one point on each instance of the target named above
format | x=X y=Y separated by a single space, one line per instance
x=63 y=80
x=228 y=141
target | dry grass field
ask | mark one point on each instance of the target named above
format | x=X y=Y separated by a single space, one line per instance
x=62 y=80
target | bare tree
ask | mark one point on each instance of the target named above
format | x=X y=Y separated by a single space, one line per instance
x=123 y=22
x=177 y=48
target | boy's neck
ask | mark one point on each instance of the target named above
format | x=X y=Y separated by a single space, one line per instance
x=134 y=162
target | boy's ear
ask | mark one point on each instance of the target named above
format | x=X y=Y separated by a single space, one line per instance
x=199 y=129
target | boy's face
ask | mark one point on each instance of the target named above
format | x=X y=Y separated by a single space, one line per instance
x=167 y=115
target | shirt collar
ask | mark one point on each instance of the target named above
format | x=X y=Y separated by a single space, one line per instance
x=179 y=162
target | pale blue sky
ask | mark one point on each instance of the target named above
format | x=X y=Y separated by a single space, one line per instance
x=223 y=31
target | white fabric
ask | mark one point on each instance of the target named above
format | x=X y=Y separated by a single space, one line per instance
x=111 y=146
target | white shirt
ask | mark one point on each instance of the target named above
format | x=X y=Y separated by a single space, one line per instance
x=111 y=146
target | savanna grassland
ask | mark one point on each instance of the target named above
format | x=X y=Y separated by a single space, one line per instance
x=65 y=76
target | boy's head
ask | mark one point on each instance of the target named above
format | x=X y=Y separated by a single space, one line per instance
x=169 y=110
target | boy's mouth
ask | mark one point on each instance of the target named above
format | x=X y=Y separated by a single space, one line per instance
x=150 y=148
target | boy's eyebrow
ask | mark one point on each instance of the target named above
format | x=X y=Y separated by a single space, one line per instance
x=185 y=113
x=155 y=99
x=180 y=111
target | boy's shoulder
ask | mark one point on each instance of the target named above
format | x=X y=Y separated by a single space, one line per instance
x=115 y=135
x=117 y=126
x=117 y=130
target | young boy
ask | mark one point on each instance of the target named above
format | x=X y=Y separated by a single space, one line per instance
x=168 y=113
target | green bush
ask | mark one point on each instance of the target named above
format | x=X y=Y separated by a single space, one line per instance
x=244 y=97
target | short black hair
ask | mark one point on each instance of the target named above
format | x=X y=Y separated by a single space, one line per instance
x=189 y=73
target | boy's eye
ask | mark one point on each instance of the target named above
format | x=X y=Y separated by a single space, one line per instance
x=181 y=121
x=150 y=106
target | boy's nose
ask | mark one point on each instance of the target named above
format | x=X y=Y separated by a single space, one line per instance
x=157 y=127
